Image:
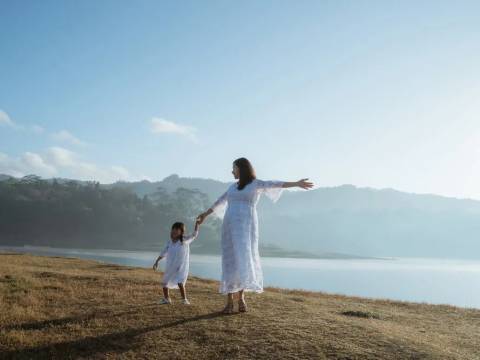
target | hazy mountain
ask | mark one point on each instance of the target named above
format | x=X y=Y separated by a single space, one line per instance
x=360 y=221
x=212 y=188
x=351 y=220
x=374 y=222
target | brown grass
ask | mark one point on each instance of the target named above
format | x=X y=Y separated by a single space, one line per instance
x=59 y=308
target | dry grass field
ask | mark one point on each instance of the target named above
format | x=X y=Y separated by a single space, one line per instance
x=62 y=308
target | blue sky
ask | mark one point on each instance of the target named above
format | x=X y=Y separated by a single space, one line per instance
x=371 y=93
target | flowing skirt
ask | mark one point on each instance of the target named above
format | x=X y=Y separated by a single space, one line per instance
x=241 y=269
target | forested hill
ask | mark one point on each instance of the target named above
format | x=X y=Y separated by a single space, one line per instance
x=87 y=215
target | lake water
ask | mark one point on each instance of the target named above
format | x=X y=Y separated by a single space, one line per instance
x=436 y=281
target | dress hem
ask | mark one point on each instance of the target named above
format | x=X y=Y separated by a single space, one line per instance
x=246 y=289
x=173 y=285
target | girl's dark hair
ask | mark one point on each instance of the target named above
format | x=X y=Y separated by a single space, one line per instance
x=247 y=172
x=181 y=227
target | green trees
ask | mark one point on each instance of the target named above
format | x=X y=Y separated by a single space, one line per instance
x=84 y=215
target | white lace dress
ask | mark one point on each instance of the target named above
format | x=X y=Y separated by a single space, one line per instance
x=241 y=269
x=177 y=254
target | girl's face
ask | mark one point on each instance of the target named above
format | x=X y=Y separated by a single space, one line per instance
x=236 y=172
x=175 y=234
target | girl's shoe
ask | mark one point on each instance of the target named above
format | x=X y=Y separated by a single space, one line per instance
x=242 y=306
x=228 y=308
x=164 y=301
x=185 y=302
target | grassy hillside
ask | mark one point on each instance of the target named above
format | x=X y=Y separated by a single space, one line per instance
x=69 y=308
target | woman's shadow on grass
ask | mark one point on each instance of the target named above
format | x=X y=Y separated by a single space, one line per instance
x=91 y=345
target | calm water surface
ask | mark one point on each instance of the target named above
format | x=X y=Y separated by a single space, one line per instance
x=436 y=281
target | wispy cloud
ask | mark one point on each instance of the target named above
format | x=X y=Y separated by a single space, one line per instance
x=72 y=163
x=67 y=137
x=6 y=120
x=58 y=161
x=28 y=163
x=37 y=163
x=37 y=129
x=61 y=157
x=162 y=126
x=63 y=136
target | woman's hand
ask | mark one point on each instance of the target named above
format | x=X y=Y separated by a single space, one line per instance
x=155 y=265
x=304 y=184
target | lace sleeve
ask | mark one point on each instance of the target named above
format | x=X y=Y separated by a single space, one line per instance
x=220 y=206
x=272 y=188
x=189 y=238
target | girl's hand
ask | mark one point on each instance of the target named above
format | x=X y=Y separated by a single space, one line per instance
x=304 y=184
x=155 y=265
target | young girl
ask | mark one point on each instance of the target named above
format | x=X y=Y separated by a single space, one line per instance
x=177 y=252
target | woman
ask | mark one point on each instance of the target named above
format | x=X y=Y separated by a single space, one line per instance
x=241 y=270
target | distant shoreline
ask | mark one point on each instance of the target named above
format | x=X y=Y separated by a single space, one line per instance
x=265 y=252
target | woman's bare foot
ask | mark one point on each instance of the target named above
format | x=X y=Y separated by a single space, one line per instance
x=228 y=308
x=242 y=305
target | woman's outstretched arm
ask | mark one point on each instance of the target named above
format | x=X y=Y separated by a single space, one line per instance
x=302 y=183
x=274 y=189
x=220 y=203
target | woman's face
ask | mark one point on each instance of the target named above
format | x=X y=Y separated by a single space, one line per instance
x=236 y=172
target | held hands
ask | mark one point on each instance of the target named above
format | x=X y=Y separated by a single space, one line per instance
x=197 y=224
x=304 y=184
x=200 y=219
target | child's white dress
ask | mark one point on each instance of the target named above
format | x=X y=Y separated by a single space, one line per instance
x=178 y=260
x=241 y=269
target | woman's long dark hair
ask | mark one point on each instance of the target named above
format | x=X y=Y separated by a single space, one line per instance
x=181 y=227
x=247 y=172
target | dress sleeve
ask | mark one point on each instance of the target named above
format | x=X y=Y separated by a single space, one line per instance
x=163 y=253
x=220 y=205
x=189 y=238
x=272 y=188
